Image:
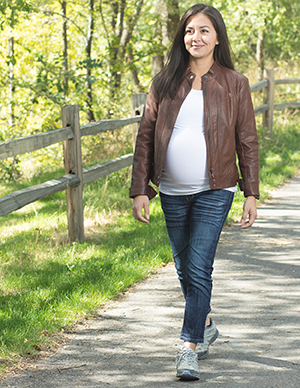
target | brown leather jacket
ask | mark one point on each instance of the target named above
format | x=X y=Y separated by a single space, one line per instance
x=230 y=129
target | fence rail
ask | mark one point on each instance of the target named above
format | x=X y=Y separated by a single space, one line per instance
x=259 y=86
x=43 y=140
x=34 y=142
x=76 y=176
x=21 y=198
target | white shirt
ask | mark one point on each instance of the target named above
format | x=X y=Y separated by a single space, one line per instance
x=185 y=169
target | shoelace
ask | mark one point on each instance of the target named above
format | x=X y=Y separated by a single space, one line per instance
x=187 y=354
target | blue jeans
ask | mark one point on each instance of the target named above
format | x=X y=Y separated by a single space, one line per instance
x=194 y=224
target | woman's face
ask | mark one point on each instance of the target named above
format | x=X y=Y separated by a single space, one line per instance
x=200 y=37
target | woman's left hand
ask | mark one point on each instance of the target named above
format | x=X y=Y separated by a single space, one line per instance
x=249 y=210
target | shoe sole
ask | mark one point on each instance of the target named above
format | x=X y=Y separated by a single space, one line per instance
x=202 y=356
x=188 y=375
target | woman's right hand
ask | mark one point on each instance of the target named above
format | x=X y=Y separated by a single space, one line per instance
x=141 y=202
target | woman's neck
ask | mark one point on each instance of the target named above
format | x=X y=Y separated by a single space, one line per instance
x=200 y=67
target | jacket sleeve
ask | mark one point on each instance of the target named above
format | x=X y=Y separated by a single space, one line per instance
x=144 y=150
x=247 y=142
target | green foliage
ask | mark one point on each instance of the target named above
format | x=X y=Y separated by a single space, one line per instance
x=11 y=10
x=10 y=169
x=21 y=5
x=38 y=70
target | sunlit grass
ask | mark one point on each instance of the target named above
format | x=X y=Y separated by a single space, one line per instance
x=279 y=161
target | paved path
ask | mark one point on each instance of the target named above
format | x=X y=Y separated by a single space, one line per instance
x=256 y=305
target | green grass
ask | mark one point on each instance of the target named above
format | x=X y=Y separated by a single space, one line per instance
x=47 y=284
x=279 y=159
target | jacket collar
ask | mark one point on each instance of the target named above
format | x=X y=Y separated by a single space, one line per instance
x=212 y=72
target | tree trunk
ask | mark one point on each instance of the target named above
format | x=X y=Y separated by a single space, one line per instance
x=88 y=50
x=173 y=18
x=122 y=31
x=134 y=72
x=115 y=60
x=11 y=104
x=11 y=86
x=260 y=54
x=65 y=66
x=168 y=22
x=157 y=64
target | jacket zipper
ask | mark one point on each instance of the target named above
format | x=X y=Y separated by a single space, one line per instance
x=209 y=137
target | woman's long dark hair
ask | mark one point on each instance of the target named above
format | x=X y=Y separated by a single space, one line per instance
x=174 y=71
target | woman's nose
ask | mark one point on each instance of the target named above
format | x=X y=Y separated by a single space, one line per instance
x=196 y=35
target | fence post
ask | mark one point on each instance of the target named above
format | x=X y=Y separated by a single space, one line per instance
x=138 y=101
x=269 y=99
x=73 y=165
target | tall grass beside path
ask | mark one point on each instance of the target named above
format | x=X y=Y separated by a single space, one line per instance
x=46 y=284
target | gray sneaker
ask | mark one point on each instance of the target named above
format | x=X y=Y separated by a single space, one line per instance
x=211 y=333
x=187 y=364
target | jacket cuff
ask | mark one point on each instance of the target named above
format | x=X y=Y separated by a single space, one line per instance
x=142 y=190
x=249 y=188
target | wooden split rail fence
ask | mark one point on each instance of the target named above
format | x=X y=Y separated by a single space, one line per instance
x=76 y=176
